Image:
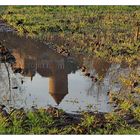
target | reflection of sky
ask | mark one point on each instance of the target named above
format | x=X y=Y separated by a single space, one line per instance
x=82 y=92
x=6 y=91
x=37 y=91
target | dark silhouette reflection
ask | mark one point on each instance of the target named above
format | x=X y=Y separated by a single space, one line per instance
x=58 y=84
x=35 y=57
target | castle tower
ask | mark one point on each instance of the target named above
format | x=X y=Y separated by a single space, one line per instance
x=58 y=83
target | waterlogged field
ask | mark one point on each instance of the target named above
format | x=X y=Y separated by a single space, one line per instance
x=69 y=70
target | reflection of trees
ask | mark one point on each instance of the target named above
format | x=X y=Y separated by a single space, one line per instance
x=5 y=83
x=110 y=82
x=3 y=79
x=95 y=88
x=103 y=85
x=97 y=67
x=9 y=78
x=9 y=96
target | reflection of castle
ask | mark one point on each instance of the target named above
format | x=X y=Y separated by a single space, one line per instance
x=58 y=84
x=34 y=57
x=55 y=70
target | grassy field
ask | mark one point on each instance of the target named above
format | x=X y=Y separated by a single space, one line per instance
x=100 y=30
x=111 y=32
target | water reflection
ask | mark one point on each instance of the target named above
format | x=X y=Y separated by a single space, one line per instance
x=33 y=57
x=47 y=78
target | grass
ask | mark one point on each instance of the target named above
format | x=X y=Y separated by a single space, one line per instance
x=110 y=32
x=125 y=119
x=100 y=30
x=42 y=122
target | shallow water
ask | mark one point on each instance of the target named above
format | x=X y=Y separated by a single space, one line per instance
x=50 y=79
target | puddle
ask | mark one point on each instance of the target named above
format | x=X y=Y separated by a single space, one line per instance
x=48 y=79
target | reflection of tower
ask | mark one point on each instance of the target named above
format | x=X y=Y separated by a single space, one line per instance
x=36 y=57
x=58 y=83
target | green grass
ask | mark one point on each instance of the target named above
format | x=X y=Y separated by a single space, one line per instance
x=104 y=31
x=98 y=30
x=125 y=119
x=42 y=122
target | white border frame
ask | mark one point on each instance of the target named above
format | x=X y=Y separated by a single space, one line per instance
x=69 y=2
